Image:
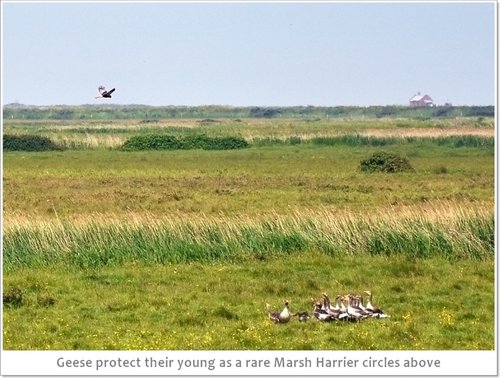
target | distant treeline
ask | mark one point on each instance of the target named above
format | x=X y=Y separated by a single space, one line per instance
x=109 y=112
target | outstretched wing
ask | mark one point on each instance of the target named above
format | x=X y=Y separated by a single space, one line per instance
x=111 y=91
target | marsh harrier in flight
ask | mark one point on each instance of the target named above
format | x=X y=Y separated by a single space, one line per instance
x=104 y=93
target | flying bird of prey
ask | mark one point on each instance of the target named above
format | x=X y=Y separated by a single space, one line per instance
x=104 y=93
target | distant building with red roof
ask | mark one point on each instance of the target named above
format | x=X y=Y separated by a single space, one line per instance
x=420 y=100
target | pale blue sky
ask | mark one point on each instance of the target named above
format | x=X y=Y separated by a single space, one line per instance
x=247 y=54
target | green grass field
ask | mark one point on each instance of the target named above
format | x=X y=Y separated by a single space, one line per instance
x=111 y=249
x=253 y=180
x=221 y=305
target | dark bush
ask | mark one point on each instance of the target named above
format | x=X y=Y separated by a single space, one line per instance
x=224 y=143
x=13 y=297
x=28 y=143
x=385 y=162
x=152 y=142
x=169 y=142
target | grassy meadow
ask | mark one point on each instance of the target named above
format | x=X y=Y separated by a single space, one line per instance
x=112 y=249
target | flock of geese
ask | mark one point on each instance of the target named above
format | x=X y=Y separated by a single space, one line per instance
x=347 y=307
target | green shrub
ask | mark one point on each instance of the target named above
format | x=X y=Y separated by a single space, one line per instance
x=169 y=142
x=152 y=142
x=385 y=162
x=223 y=143
x=13 y=297
x=28 y=143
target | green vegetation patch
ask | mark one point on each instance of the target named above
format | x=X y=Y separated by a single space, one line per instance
x=385 y=162
x=29 y=143
x=188 y=142
x=12 y=297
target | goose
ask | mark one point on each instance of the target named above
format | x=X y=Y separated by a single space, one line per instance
x=359 y=303
x=279 y=317
x=335 y=311
x=354 y=312
x=103 y=93
x=377 y=313
x=321 y=314
x=343 y=309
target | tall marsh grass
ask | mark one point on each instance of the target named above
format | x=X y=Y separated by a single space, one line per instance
x=356 y=140
x=450 y=232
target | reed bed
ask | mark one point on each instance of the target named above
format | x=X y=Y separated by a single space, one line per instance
x=430 y=132
x=90 y=141
x=414 y=133
x=447 y=231
x=354 y=140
